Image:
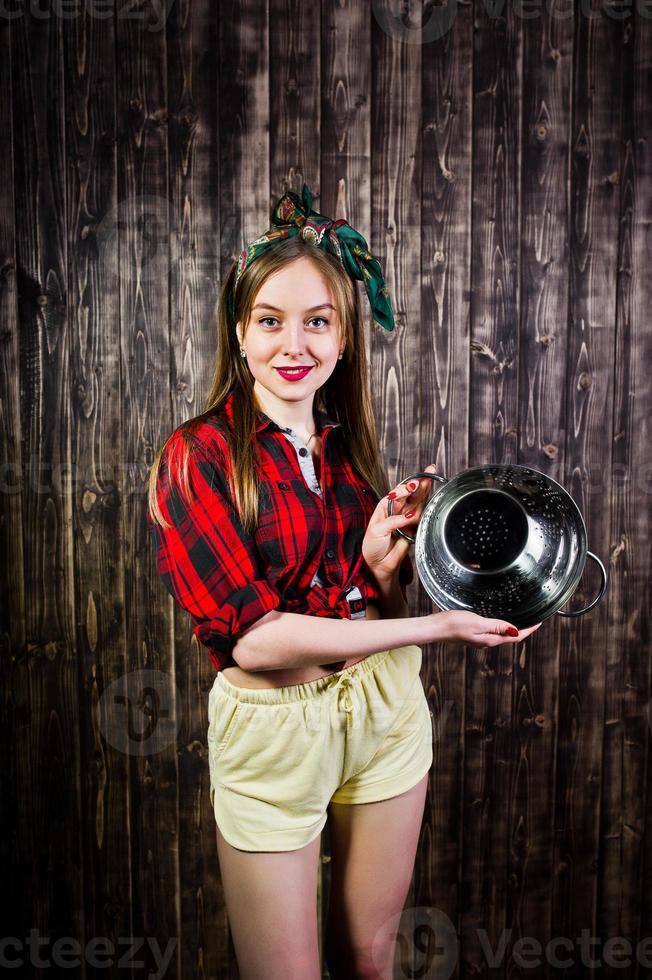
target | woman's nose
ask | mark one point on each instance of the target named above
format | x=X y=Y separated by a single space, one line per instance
x=295 y=339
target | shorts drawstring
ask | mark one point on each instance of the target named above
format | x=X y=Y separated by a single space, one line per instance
x=342 y=685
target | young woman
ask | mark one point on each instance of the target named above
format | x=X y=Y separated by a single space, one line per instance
x=269 y=522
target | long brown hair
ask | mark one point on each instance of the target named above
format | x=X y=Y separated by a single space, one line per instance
x=345 y=395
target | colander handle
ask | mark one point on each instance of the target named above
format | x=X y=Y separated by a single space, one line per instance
x=603 y=586
x=415 y=476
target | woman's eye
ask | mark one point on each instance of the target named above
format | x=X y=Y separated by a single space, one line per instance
x=266 y=320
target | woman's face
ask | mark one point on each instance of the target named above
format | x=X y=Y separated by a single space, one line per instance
x=293 y=323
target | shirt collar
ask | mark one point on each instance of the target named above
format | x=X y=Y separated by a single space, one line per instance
x=263 y=421
x=323 y=422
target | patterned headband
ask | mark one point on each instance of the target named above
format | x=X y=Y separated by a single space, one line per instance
x=293 y=215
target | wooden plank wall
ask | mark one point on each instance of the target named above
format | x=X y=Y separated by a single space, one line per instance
x=497 y=157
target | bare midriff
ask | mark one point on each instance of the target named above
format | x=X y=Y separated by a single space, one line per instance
x=296 y=675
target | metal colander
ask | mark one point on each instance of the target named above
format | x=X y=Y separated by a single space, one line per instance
x=504 y=541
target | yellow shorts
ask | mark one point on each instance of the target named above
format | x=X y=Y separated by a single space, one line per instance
x=278 y=756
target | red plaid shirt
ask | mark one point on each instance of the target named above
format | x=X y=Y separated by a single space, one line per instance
x=305 y=554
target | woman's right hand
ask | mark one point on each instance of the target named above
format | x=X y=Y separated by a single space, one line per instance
x=459 y=626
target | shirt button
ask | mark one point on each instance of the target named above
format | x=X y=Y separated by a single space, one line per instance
x=330 y=553
x=283 y=486
x=303 y=452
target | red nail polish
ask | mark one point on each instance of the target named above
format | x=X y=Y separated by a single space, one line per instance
x=391 y=495
x=412 y=486
x=511 y=631
x=410 y=513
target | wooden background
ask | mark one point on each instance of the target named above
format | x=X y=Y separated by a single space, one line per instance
x=501 y=171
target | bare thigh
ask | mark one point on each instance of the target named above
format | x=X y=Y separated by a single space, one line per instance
x=271 y=902
x=373 y=848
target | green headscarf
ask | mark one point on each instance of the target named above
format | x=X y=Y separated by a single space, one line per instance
x=293 y=215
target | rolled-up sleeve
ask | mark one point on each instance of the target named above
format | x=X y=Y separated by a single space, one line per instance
x=207 y=560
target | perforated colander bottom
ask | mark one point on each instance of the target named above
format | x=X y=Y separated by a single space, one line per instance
x=486 y=530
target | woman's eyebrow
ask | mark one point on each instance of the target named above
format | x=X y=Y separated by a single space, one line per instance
x=268 y=306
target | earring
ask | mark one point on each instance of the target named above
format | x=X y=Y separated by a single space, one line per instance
x=340 y=355
x=243 y=352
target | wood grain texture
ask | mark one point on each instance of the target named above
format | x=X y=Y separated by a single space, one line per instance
x=394 y=238
x=440 y=400
x=294 y=98
x=47 y=790
x=142 y=255
x=16 y=904
x=97 y=420
x=595 y=144
x=244 y=109
x=626 y=826
x=500 y=170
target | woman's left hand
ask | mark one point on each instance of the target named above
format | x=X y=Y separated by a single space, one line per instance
x=382 y=551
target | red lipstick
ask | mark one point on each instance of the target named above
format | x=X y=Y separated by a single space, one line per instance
x=294 y=374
